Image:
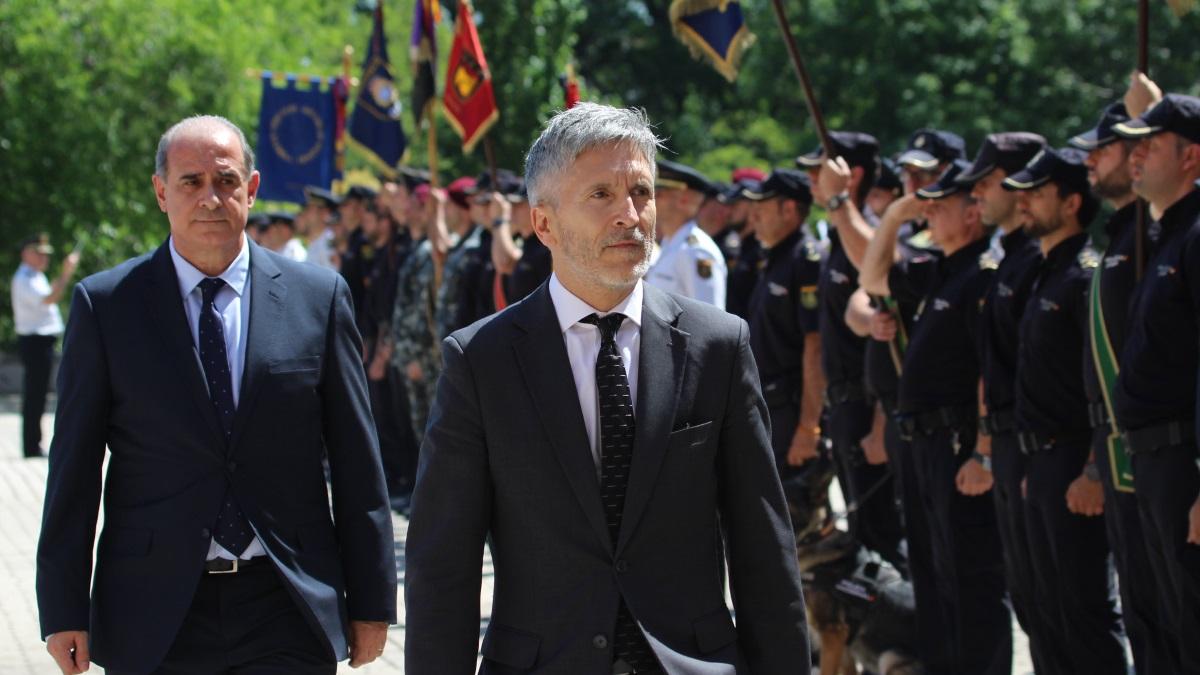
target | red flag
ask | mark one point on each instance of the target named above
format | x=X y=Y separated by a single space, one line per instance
x=570 y=87
x=469 y=101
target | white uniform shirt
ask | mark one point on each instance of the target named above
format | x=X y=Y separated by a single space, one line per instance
x=690 y=264
x=294 y=250
x=233 y=304
x=583 y=346
x=31 y=314
x=321 y=251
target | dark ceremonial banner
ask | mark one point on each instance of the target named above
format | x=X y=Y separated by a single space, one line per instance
x=714 y=30
x=375 y=123
x=422 y=54
x=297 y=130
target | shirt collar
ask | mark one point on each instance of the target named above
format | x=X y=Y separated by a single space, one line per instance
x=682 y=233
x=234 y=276
x=1182 y=212
x=1065 y=251
x=1013 y=240
x=571 y=310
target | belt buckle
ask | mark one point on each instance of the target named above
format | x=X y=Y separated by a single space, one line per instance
x=233 y=570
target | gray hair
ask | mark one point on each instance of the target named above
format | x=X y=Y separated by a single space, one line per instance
x=572 y=132
x=195 y=122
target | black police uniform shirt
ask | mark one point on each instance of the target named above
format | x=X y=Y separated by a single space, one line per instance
x=729 y=241
x=783 y=310
x=1117 y=279
x=941 y=364
x=883 y=381
x=1000 y=315
x=842 y=351
x=743 y=273
x=1050 y=397
x=379 y=292
x=1159 y=363
x=356 y=260
x=531 y=270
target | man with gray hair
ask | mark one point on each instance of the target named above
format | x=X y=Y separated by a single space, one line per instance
x=218 y=375
x=648 y=456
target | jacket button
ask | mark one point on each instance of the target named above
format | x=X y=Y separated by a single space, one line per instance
x=600 y=641
x=622 y=567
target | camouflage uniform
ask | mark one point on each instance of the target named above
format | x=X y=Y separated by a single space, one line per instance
x=464 y=297
x=413 y=329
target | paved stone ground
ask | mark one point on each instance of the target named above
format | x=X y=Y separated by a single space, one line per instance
x=22 y=485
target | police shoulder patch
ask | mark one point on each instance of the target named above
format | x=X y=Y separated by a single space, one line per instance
x=922 y=240
x=812 y=251
x=1088 y=258
x=704 y=267
x=988 y=260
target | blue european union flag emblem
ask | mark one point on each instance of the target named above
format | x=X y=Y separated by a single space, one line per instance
x=296 y=135
x=714 y=30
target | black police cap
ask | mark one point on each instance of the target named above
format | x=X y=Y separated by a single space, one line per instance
x=259 y=221
x=1008 y=150
x=282 y=217
x=413 y=177
x=506 y=181
x=889 y=176
x=676 y=176
x=1064 y=167
x=783 y=183
x=360 y=192
x=929 y=147
x=857 y=148
x=948 y=183
x=1102 y=134
x=1176 y=113
x=327 y=199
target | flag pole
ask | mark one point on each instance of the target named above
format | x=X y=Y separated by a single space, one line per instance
x=431 y=115
x=489 y=151
x=1143 y=66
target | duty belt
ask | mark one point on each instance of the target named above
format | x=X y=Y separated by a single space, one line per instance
x=1161 y=436
x=927 y=423
x=997 y=422
x=1098 y=415
x=846 y=392
x=1032 y=442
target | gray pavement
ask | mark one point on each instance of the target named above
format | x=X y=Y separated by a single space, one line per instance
x=22 y=485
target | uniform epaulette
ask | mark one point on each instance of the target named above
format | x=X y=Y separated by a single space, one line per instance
x=1088 y=258
x=812 y=251
x=921 y=240
x=692 y=240
x=988 y=260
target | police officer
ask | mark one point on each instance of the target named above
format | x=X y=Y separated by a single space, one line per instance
x=315 y=221
x=854 y=428
x=1015 y=262
x=457 y=295
x=1155 y=399
x=887 y=188
x=713 y=218
x=356 y=252
x=1108 y=313
x=521 y=259
x=1074 y=596
x=783 y=316
x=938 y=408
x=689 y=262
x=743 y=270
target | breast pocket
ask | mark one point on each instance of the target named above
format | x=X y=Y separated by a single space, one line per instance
x=692 y=438
x=296 y=365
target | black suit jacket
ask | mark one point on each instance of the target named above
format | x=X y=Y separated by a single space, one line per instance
x=506 y=459
x=131 y=380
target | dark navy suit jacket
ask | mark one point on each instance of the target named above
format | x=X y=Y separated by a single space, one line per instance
x=506 y=459
x=131 y=381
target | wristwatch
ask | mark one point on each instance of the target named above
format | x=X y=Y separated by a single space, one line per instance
x=1091 y=472
x=984 y=460
x=835 y=202
x=498 y=222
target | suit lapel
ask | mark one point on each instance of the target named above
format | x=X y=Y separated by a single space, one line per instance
x=661 y=361
x=542 y=355
x=170 y=321
x=267 y=295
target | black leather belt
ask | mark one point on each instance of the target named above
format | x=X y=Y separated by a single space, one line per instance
x=224 y=566
x=929 y=422
x=1032 y=442
x=998 y=422
x=846 y=392
x=1098 y=415
x=1161 y=436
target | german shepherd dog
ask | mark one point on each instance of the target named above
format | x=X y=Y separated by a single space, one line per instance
x=860 y=607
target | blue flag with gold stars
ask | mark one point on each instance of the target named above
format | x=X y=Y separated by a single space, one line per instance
x=297 y=130
x=375 y=123
x=713 y=30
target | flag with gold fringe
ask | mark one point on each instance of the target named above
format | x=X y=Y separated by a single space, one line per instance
x=469 y=101
x=375 y=123
x=713 y=30
x=422 y=54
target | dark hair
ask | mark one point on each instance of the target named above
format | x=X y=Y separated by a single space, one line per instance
x=1089 y=203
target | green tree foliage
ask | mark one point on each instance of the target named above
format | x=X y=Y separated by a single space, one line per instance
x=87 y=86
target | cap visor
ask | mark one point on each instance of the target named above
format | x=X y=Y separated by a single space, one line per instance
x=809 y=161
x=1135 y=129
x=974 y=173
x=1024 y=180
x=1088 y=140
x=758 y=196
x=919 y=159
x=938 y=191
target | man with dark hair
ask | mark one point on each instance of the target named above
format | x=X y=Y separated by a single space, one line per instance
x=219 y=377
x=1155 y=398
x=1109 y=296
x=1074 y=595
x=743 y=270
x=938 y=408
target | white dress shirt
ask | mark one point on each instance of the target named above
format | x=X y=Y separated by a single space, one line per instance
x=321 y=250
x=583 y=346
x=31 y=314
x=233 y=304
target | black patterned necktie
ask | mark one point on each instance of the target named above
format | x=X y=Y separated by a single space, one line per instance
x=232 y=530
x=616 y=456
